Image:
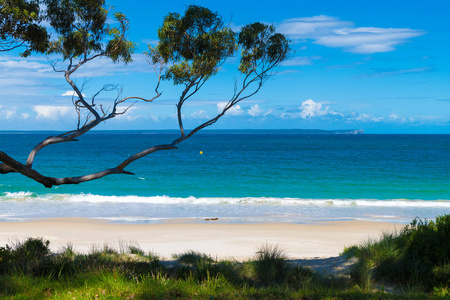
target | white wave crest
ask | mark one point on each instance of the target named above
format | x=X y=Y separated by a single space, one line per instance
x=16 y=196
x=243 y=201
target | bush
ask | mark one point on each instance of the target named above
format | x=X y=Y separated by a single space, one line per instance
x=5 y=257
x=24 y=256
x=192 y=258
x=31 y=249
x=362 y=272
x=428 y=240
x=270 y=265
x=419 y=255
x=135 y=249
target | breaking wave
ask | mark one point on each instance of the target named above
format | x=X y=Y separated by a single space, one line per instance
x=247 y=201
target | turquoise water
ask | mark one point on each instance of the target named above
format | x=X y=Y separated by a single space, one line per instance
x=239 y=177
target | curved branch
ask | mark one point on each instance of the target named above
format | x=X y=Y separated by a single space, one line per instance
x=51 y=181
x=144 y=153
x=25 y=170
x=80 y=96
x=140 y=98
x=258 y=78
x=5 y=169
x=72 y=135
x=11 y=44
x=65 y=137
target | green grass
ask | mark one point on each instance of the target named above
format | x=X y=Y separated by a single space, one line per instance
x=415 y=259
x=400 y=260
x=270 y=265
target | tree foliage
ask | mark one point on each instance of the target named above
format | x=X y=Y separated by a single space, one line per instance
x=83 y=32
x=192 y=47
x=20 y=26
x=196 y=44
x=261 y=47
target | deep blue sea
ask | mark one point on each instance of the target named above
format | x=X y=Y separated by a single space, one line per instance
x=240 y=177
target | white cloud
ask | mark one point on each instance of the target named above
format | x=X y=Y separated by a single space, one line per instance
x=368 y=39
x=307 y=28
x=53 y=113
x=311 y=109
x=363 y=118
x=24 y=116
x=332 y=32
x=233 y=111
x=255 y=111
x=201 y=114
x=268 y=112
x=71 y=94
x=153 y=117
x=24 y=65
x=8 y=113
x=25 y=76
x=128 y=113
x=18 y=72
x=300 y=61
x=393 y=117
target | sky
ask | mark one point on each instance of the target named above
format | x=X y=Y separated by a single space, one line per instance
x=379 y=66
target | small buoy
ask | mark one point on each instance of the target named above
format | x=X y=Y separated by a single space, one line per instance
x=201 y=152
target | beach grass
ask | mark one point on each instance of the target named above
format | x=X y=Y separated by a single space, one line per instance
x=415 y=259
x=29 y=271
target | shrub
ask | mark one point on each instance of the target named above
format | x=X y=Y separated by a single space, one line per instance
x=135 y=249
x=107 y=249
x=192 y=257
x=68 y=251
x=270 y=265
x=361 y=272
x=23 y=255
x=5 y=257
x=417 y=256
x=31 y=249
x=428 y=240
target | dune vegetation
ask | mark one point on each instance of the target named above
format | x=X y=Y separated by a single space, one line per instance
x=410 y=264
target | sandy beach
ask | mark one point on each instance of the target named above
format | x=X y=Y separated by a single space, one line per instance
x=221 y=240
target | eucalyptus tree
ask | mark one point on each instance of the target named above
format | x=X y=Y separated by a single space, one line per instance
x=20 y=25
x=191 y=49
x=82 y=35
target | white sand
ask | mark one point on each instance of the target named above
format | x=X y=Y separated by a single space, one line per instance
x=221 y=240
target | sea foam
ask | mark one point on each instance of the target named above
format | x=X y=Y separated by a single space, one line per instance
x=247 y=201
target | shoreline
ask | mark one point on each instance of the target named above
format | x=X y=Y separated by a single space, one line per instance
x=221 y=240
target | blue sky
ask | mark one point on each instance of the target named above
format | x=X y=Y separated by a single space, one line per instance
x=380 y=66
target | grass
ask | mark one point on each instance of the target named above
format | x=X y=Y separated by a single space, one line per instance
x=415 y=259
x=270 y=265
x=406 y=259
x=191 y=258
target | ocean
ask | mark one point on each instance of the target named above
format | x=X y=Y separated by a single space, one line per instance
x=258 y=176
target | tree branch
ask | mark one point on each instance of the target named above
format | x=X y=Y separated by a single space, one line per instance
x=258 y=78
x=51 y=181
x=5 y=169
